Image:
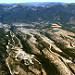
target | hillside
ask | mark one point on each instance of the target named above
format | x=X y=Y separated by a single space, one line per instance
x=37 y=39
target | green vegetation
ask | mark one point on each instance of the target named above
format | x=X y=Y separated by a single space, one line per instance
x=3 y=54
x=42 y=44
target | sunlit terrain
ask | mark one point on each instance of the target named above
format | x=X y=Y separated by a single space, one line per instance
x=35 y=43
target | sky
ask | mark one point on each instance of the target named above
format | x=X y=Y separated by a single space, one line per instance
x=23 y=1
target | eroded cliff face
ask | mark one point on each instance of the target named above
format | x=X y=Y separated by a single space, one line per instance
x=37 y=50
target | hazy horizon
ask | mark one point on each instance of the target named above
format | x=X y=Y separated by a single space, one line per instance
x=30 y=1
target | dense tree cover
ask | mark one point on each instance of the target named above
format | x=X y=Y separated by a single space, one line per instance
x=32 y=13
x=3 y=54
